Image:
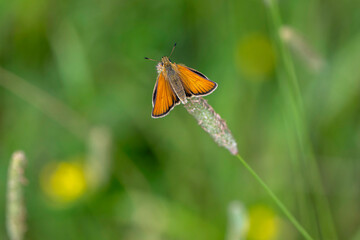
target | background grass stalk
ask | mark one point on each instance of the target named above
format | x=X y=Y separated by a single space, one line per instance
x=282 y=207
x=295 y=116
x=49 y=105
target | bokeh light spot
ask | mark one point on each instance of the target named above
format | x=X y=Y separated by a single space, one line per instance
x=63 y=182
x=255 y=56
x=263 y=223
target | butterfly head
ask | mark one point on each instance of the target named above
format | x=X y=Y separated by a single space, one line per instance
x=165 y=61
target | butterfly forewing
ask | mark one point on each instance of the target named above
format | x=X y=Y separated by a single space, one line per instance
x=164 y=98
x=195 y=83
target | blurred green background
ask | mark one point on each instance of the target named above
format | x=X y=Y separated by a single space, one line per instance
x=75 y=96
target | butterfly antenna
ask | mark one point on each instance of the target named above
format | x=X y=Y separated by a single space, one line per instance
x=150 y=59
x=172 y=50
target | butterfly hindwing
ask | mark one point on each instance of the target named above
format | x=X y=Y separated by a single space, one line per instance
x=164 y=98
x=194 y=82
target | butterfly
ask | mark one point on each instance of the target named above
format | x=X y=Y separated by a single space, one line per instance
x=175 y=83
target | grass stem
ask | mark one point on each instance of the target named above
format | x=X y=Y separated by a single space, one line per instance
x=304 y=159
x=277 y=201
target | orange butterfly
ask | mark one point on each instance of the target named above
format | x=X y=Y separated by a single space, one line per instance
x=175 y=83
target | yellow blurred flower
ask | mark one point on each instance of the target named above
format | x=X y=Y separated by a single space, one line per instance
x=255 y=56
x=264 y=224
x=63 y=182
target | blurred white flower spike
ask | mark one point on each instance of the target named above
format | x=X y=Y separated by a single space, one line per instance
x=238 y=222
x=16 y=211
x=301 y=48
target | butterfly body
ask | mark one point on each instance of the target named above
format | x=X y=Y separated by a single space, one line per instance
x=171 y=74
x=175 y=83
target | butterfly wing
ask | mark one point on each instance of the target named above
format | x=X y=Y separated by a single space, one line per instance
x=194 y=82
x=164 y=98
